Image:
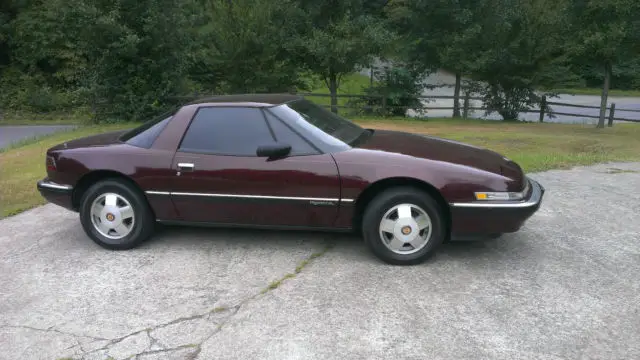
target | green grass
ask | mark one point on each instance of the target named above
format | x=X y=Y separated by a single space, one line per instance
x=535 y=146
x=303 y=264
x=22 y=166
x=78 y=117
x=352 y=84
x=596 y=92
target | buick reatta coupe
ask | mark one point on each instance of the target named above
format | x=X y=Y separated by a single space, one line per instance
x=282 y=162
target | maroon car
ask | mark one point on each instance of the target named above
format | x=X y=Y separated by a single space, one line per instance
x=280 y=161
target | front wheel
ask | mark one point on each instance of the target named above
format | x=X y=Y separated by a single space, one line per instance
x=403 y=226
x=115 y=215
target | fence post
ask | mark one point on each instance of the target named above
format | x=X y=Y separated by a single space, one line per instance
x=465 y=106
x=543 y=105
x=612 y=114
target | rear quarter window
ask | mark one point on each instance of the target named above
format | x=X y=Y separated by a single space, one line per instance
x=144 y=135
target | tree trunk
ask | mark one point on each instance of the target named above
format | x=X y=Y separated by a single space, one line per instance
x=371 y=76
x=456 y=96
x=605 y=95
x=333 y=90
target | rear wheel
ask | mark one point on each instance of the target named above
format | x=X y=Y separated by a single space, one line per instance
x=115 y=215
x=403 y=226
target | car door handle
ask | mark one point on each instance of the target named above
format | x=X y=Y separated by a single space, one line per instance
x=185 y=166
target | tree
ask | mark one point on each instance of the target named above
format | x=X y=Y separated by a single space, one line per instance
x=335 y=37
x=607 y=32
x=440 y=34
x=120 y=56
x=400 y=87
x=47 y=60
x=9 y=9
x=241 y=47
x=522 y=49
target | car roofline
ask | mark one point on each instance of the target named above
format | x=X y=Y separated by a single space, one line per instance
x=246 y=100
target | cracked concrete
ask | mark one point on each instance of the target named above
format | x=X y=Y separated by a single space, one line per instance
x=563 y=287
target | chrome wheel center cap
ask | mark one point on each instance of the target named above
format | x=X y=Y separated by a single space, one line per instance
x=111 y=215
x=405 y=229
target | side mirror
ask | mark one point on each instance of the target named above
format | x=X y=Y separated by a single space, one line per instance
x=275 y=150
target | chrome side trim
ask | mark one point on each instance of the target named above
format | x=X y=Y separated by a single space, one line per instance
x=239 y=196
x=534 y=200
x=254 y=196
x=56 y=186
x=158 y=192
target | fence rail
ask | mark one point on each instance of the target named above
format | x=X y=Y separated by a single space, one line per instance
x=466 y=106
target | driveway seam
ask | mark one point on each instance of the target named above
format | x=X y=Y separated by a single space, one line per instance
x=206 y=316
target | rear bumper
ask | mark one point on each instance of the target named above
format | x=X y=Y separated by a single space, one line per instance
x=495 y=217
x=55 y=193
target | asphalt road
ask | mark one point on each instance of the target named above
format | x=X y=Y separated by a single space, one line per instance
x=565 y=287
x=11 y=134
x=622 y=103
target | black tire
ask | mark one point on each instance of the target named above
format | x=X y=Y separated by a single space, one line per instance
x=143 y=226
x=386 y=200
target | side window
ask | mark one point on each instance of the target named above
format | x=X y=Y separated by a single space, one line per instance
x=227 y=131
x=283 y=133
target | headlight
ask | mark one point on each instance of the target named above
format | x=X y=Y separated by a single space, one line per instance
x=502 y=196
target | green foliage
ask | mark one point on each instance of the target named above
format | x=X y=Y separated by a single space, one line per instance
x=521 y=50
x=607 y=33
x=242 y=47
x=129 y=59
x=143 y=64
x=438 y=33
x=335 y=37
x=398 y=90
x=605 y=30
x=120 y=56
x=511 y=46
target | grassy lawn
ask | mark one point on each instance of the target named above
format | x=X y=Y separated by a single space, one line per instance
x=597 y=92
x=21 y=167
x=352 y=84
x=535 y=146
x=66 y=118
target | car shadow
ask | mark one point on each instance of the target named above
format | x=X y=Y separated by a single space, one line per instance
x=348 y=245
x=242 y=236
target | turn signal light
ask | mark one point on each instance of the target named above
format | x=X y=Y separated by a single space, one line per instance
x=504 y=196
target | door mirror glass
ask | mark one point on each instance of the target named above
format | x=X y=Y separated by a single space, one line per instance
x=275 y=150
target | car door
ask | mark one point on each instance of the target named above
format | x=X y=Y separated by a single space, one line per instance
x=220 y=179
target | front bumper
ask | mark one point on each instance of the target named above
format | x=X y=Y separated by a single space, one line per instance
x=55 y=193
x=495 y=217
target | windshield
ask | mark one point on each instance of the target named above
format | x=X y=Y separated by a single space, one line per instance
x=321 y=122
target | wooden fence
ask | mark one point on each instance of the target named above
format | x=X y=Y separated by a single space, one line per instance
x=466 y=106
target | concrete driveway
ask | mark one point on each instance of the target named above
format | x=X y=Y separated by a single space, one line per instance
x=12 y=134
x=565 y=287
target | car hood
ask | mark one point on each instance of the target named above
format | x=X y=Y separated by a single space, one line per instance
x=439 y=149
x=103 y=139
